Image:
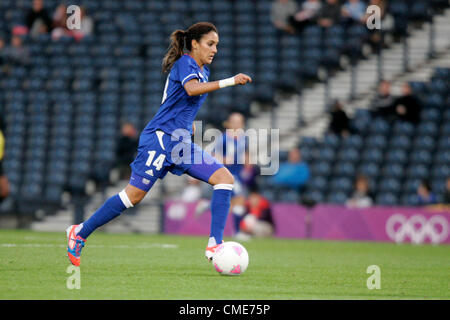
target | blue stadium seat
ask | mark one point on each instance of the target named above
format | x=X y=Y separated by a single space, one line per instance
x=393 y=170
x=370 y=169
x=387 y=199
x=421 y=156
x=372 y=155
x=400 y=142
x=318 y=183
x=314 y=195
x=424 y=142
x=396 y=156
x=411 y=185
x=418 y=171
x=321 y=168
x=348 y=154
x=344 y=169
x=331 y=140
x=338 y=197
x=391 y=185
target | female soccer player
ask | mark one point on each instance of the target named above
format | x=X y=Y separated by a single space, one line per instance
x=167 y=138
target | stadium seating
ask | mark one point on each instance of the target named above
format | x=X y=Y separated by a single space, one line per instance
x=63 y=110
x=395 y=157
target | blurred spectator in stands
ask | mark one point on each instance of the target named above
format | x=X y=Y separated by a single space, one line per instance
x=446 y=197
x=233 y=144
x=307 y=14
x=231 y=151
x=353 y=11
x=247 y=175
x=86 y=24
x=16 y=53
x=340 y=122
x=60 y=28
x=280 y=14
x=244 y=182
x=362 y=197
x=425 y=195
x=381 y=105
x=37 y=19
x=4 y=184
x=329 y=14
x=192 y=192
x=258 y=220
x=126 y=149
x=293 y=174
x=2 y=47
x=407 y=107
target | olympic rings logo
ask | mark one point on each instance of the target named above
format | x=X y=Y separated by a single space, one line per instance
x=417 y=228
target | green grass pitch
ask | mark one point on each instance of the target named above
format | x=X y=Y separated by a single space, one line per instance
x=33 y=265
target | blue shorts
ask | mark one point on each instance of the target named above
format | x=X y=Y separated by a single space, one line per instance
x=159 y=154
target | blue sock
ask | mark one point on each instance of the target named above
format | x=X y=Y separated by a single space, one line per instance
x=112 y=207
x=220 y=204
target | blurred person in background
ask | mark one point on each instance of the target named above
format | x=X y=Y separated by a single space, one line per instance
x=232 y=151
x=2 y=47
x=407 y=107
x=126 y=149
x=381 y=105
x=37 y=19
x=340 y=122
x=425 y=195
x=354 y=11
x=293 y=174
x=307 y=14
x=446 y=197
x=86 y=24
x=233 y=143
x=247 y=181
x=15 y=53
x=281 y=12
x=4 y=184
x=257 y=221
x=59 y=23
x=329 y=14
x=247 y=175
x=362 y=197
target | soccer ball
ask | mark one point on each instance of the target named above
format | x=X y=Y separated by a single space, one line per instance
x=230 y=258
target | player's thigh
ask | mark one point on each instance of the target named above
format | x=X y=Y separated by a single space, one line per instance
x=207 y=168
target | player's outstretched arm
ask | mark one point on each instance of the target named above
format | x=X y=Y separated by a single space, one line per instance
x=195 y=88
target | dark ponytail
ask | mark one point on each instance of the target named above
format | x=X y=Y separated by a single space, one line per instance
x=180 y=38
x=175 y=49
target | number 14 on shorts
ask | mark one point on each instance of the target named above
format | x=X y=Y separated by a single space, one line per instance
x=158 y=163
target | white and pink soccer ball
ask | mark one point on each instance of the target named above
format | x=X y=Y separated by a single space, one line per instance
x=230 y=258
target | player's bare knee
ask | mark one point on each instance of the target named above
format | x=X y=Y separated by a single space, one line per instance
x=134 y=194
x=225 y=177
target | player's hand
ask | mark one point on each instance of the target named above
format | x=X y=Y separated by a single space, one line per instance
x=242 y=79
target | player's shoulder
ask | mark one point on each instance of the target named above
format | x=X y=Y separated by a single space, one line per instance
x=185 y=59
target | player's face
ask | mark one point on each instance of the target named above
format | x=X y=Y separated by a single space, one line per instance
x=207 y=47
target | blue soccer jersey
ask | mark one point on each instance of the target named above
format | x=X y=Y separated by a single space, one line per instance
x=178 y=110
